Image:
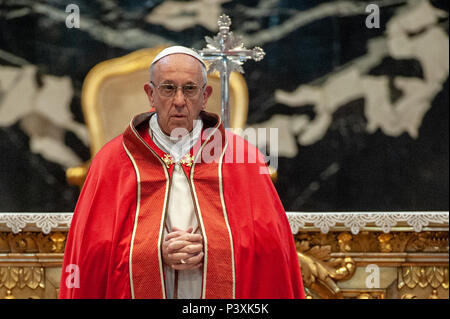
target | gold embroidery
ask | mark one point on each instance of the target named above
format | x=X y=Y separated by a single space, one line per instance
x=168 y=160
x=187 y=160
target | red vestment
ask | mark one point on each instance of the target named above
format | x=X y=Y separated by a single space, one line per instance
x=113 y=249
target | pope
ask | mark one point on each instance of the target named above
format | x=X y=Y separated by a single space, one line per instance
x=167 y=211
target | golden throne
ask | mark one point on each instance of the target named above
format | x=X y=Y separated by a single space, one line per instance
x=113 y=92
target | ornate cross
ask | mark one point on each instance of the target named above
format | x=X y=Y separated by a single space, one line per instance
x=227 y=54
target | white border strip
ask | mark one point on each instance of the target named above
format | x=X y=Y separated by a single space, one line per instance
x=138 y=205
x=163 y=217
x=356 y=221
x=205 y=239
x=225 y=215
x=46 y=222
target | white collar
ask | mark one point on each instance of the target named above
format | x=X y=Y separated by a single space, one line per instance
x=175 y=147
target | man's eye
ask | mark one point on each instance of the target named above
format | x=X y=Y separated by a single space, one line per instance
x=189 y=88
x=168 y=87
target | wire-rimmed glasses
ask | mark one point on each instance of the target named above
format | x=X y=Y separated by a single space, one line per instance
x=170 y=89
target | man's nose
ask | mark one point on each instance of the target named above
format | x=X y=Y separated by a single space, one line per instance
x=179 y=99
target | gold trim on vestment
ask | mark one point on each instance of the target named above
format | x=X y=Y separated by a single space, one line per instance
x=138 y=203
x=225 y=215
x=161 y=227
x=194 y=193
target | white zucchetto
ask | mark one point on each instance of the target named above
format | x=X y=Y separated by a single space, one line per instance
x=177 y=49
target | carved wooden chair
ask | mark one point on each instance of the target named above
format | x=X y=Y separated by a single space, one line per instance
x=113 y=92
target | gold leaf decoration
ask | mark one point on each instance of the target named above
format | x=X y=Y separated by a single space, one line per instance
x=9 y=276
x=445 y=281
x=33 y=277
x=344 y=240
x=320 y=271
x=433 y=276
x=58 y=242
x=385 y=244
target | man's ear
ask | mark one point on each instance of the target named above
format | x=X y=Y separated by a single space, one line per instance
x=149 y=91
x=206 y=94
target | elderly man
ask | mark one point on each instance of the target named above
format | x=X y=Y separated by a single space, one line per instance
x=167 y=212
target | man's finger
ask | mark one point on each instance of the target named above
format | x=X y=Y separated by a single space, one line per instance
x=181 y=234
x=179 y=244
x=191 y=249
x=186 y=266
x=179 y=256
x=191 y=237
x=186 y=257
x=181 y=248
x=195 y=259
x=190 y=259
x=173 y=235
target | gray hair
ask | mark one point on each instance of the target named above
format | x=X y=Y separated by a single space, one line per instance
x=204 y=72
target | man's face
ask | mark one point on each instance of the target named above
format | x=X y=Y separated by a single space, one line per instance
x=178 y=111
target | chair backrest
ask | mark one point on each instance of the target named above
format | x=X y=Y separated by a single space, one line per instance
x=113 y=92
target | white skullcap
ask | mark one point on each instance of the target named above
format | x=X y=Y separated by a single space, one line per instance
x=177 y=49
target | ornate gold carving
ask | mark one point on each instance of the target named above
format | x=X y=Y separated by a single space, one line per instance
x=9 y=276
x=428 y=242
x=20 y=242
x=4 y=246
x=363 y=293
x=9 y=295
x=32 y=242
x=58 y=242
x=408 y=296
x=434 y=295
x=433 y=276
x=54 y=242
x=366 y=241
x=32 y=277
x=320 y=272
x=385 y=244
x=420 y=259
x=344 y=240
x=320 y=239
x=21 y=277
x=368 y=295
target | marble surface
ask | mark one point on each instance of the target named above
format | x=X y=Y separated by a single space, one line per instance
x=362 y=113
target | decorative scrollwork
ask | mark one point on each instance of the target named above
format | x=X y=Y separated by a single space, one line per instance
x=44 y=222
x=320 y=271
x=357 y=221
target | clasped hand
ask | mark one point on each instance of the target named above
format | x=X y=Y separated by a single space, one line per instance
x=183 y=250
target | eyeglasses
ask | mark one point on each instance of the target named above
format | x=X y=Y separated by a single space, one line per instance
x=169 y=89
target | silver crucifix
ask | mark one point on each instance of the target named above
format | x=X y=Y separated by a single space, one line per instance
x=227 y=54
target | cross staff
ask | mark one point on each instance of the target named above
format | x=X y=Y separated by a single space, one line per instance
x=227 y=53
